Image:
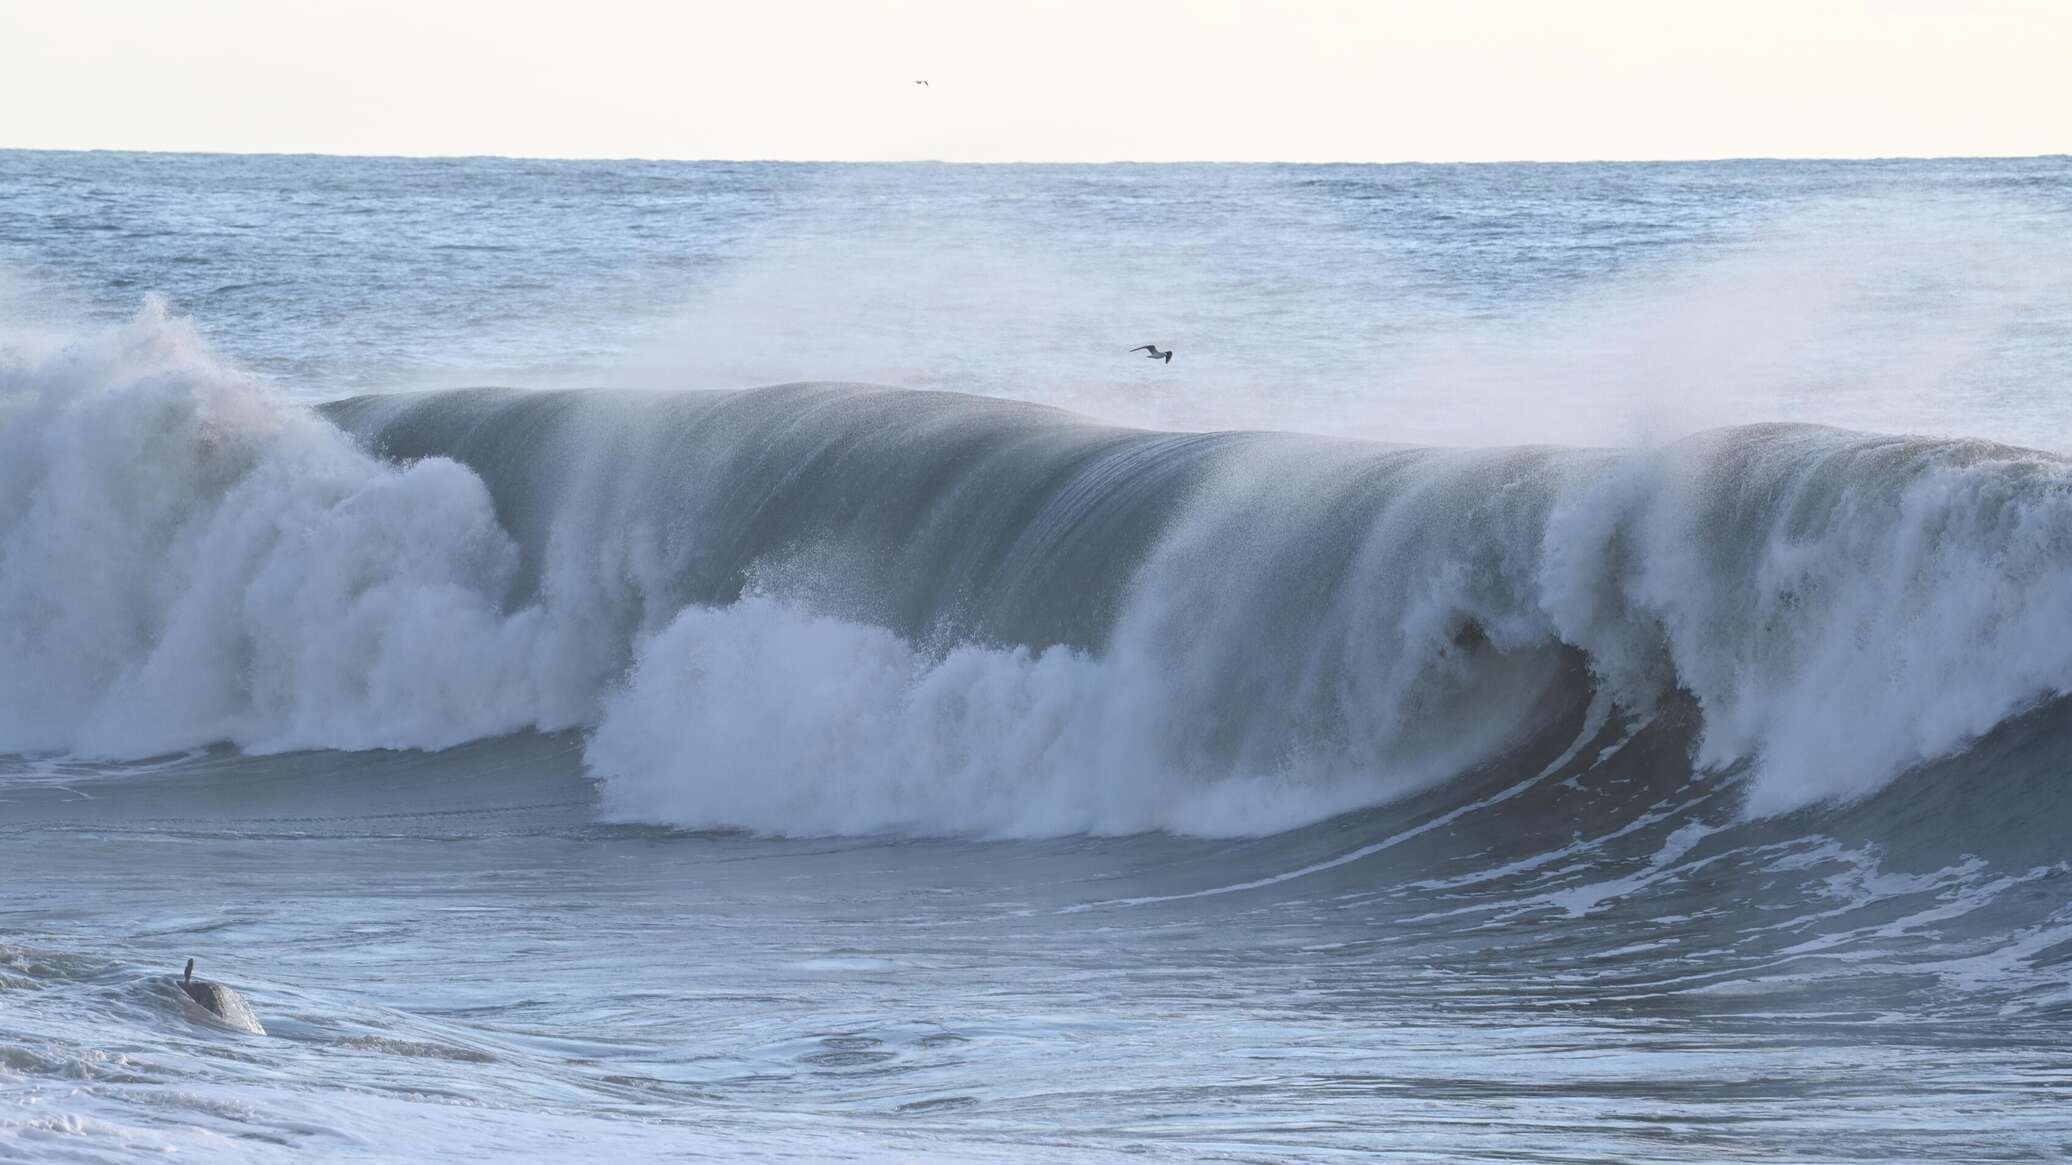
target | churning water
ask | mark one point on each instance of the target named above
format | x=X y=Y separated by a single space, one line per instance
x=1566 y=663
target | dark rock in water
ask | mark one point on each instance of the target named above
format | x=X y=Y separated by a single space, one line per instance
x=220 y=1001
x=207 y=994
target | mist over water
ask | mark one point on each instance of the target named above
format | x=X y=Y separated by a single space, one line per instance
x=1551 y=630
x=1469 y=305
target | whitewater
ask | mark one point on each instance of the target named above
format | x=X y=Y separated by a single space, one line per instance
x=738 y=661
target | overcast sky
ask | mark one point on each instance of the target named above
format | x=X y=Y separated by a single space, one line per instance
x=1073 y=80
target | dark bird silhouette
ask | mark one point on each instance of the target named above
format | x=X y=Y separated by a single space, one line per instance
x=924 y=83
x=1151 y=352
x=209 y=995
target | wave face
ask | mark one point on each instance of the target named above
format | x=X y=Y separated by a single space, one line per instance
x=828 y=608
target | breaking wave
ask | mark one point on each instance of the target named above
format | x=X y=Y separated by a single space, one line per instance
x=827 y=608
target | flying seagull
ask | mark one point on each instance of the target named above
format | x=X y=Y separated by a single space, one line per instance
x=924 y=83
x=1151 y=352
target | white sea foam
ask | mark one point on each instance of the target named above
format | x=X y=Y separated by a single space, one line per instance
x=185 y=559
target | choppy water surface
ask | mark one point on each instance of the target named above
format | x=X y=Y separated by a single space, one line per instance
x=1575 y=750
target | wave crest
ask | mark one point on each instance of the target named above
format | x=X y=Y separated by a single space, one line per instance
x=820 y=608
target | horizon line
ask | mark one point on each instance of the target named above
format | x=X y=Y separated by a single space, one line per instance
x=643 y=158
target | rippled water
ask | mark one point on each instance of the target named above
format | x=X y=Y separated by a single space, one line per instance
x=469 y=967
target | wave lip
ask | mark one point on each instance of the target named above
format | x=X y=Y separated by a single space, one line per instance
x=829 y=608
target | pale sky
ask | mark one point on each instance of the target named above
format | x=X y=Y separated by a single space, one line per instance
x=1071 y=80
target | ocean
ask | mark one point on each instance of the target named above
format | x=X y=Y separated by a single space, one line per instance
x=741 y=661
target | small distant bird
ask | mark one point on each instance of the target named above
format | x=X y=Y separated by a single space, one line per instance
x=1151 y=352
x=924 y=83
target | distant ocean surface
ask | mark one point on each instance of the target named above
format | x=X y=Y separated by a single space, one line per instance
x=1567 y=662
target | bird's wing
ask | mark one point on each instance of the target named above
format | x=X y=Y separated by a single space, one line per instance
x=1144 y=348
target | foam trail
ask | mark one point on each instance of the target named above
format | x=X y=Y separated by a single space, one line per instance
x=1592 y=725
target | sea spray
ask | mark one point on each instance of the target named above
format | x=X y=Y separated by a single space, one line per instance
x=187 y=559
